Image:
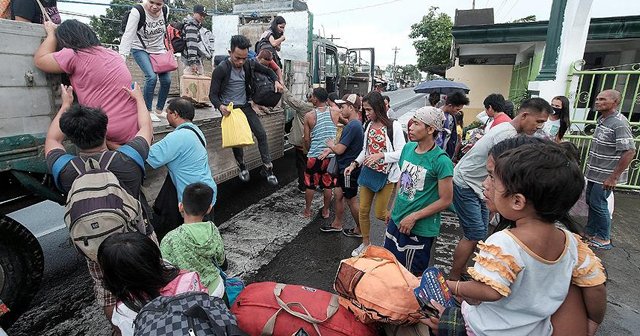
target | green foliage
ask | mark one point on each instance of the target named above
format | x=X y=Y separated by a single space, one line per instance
x=433 y=39
x=530 y=18
x=107 y=26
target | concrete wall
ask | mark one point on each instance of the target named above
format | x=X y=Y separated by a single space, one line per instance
x=482 y=80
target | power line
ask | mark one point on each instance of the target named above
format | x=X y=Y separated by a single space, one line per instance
x=510 y=9
x=358 y=8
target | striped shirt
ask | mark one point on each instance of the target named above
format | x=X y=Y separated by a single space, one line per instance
x=323 y=130
x=611 y=139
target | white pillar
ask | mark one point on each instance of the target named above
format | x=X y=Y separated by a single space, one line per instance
x=575 y=27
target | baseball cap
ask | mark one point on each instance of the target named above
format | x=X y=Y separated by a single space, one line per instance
x=430 y=116
x=350 y=98
x=200 y=9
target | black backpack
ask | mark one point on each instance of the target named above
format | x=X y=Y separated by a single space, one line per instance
x=190 y=313
x=142 y=21
x=264 y=93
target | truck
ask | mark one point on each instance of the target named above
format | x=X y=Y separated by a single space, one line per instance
x=31 y=98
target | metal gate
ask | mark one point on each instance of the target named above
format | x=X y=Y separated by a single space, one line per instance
x=624 y=78
x=519 y=82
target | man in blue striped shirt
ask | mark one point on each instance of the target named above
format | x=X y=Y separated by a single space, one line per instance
x=612 y=150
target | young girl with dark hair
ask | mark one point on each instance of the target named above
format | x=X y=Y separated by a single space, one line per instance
x=98 y=75
x=523 y=275
x=133 y=270
x=559 y=122
x=383 y=143
x=272 y=38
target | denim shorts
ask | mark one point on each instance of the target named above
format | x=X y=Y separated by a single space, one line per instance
x=472 y=213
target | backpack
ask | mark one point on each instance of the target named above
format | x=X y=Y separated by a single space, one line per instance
x=175 y=34
x=190 y=313
x=263 y=89
x=142 y=21
x=375 y=287
x=206 y=43
x=98 y=206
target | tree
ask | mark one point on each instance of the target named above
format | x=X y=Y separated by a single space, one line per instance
x=530 y=18
x=433 y=40
x=107 y=26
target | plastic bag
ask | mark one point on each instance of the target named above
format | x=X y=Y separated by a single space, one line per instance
x=235 y=129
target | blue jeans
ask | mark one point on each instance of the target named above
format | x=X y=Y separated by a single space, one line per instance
x=144 y=62
x=472 y=213
x=599 y=220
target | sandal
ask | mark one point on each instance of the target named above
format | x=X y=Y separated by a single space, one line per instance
x=598 y=245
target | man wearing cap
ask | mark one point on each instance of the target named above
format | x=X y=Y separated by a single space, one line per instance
x=347 y=150
x=192 y=55
x=425 y=189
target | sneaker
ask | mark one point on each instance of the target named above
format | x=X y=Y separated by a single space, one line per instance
x=329 y=228
x=161 y=114
x=244 y=173
x=268 y=173
x=351 y=233
x=359 y=250
x=154 y=117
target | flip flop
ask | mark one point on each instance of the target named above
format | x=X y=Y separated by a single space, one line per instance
x=598 y=245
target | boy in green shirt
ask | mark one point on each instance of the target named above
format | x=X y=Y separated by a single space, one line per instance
x=425 y=189
x=196 y=245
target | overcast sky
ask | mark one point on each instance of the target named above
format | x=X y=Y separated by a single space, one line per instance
x=385 y=24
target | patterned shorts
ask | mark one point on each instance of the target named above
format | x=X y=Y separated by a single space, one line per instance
x=316 y=175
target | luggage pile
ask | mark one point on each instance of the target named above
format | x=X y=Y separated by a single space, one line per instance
x=375 y=295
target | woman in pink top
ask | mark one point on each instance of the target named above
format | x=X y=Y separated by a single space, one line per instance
x=98 y=75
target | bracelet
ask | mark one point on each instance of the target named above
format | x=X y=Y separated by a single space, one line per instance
x=457 y=293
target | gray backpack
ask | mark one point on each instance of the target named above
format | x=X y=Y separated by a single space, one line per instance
x=190 y=313
x=98 y=206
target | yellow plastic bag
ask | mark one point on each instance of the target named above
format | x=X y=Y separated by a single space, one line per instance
x=235 y=129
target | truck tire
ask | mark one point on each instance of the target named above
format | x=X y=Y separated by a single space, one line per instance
x=21 y=268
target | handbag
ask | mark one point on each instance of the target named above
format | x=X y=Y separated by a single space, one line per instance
x=162 y=63
x=165 y=62
x=372 y=179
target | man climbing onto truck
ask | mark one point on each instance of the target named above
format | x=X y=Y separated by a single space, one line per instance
x=231 y=82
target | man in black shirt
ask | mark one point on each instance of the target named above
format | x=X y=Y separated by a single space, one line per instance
x=232 y=82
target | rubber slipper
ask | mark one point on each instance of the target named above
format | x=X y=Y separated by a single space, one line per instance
x=599 y=245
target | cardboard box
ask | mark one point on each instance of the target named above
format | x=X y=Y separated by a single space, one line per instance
x=195 y=87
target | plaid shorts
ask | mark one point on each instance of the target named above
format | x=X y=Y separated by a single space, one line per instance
x=105 y=298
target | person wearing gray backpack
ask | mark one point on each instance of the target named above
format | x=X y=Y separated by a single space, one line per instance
x=102 y=186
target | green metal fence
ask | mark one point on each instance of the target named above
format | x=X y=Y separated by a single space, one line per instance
x=624 y=78
x=520 y=82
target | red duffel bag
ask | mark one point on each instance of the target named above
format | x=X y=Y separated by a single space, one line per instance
x=268 y=308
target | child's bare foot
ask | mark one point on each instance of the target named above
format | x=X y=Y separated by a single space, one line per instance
x=306 y=213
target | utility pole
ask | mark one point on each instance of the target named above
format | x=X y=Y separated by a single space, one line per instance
x=473 y=4
x=395 y=53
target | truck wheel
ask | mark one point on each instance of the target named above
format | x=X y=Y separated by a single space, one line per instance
x=21 y=268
